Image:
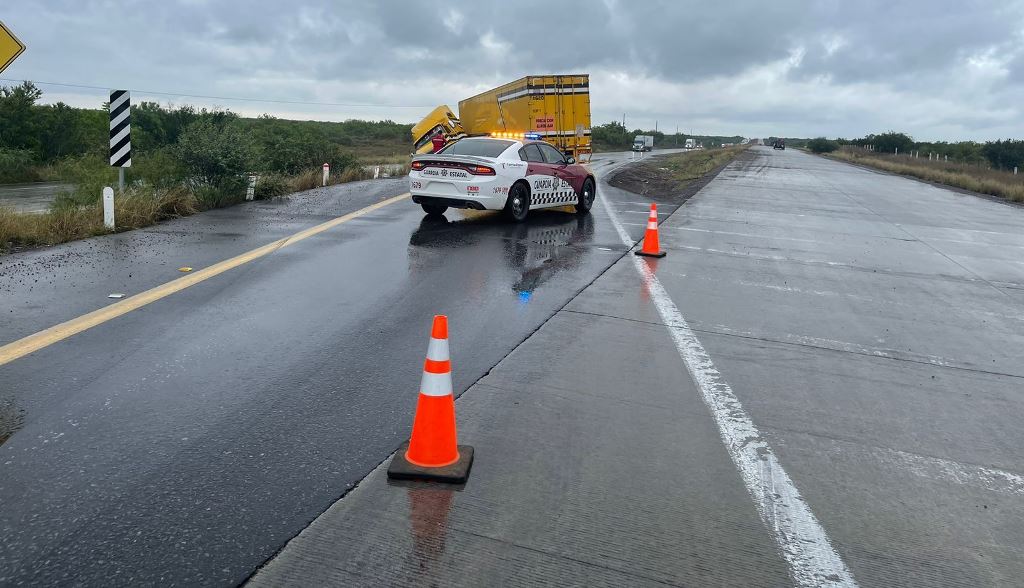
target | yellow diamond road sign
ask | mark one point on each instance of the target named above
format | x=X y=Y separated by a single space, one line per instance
x=10 y=47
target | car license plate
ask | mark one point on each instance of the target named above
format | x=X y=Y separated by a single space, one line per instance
x=445 y=173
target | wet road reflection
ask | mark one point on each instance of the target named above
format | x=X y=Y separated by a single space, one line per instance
x=547 y=243
x=428 y=520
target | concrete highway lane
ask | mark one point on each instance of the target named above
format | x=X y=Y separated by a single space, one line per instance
x=820 y=385
x=186 y=441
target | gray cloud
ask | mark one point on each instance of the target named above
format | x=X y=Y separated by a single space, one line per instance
x=935 y=68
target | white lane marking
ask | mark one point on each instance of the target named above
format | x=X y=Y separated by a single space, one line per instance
x=804 y=544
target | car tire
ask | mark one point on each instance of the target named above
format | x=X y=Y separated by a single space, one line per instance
x=433 y=209
x=586 y=197
x=517 y=205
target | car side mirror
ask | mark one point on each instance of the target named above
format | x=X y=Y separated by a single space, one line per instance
x=570 y=161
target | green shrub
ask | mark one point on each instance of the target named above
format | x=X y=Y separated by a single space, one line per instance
x=227 y=192
x=17 y=165
x=88 y=173
x=272 y=186
x=822 y=145
x=213 y=150
x=159 y=168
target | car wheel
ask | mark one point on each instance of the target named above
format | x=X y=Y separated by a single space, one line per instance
x=434 y=209
x=586 y=197
x=518 y=204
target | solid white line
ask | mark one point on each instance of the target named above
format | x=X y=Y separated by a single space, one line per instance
x=804 y=544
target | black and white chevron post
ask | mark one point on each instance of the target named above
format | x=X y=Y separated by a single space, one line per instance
x=120 y=129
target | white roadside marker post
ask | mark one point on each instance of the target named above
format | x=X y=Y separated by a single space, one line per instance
x=108 y=207
x=376 y=172
x=327 y=172
x=1014 y=170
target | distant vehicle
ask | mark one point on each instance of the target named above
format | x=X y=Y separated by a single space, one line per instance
x=779 y=144
x=691 y=144
x=643 y=143
x=556 y=108
x=515 y=175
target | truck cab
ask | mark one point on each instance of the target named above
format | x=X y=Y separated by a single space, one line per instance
x=643 y=143
x=441 y=121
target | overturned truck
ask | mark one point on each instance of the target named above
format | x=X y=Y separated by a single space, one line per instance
x=553 y=108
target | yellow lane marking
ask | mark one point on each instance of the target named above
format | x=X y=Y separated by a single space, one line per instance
x=47 y=337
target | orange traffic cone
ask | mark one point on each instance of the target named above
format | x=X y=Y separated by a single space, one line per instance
x=432 y=453
x=651 y=248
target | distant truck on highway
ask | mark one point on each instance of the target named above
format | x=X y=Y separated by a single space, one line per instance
x=553 y=108
x=779 y=144
x=691 y=144
x=643 y=143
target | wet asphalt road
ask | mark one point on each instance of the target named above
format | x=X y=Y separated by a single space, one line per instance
x=869 y=325
x=185 y=442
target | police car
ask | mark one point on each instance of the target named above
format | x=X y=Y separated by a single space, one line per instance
x=508 y=172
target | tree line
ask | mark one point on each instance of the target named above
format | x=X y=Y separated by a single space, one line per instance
x=178 y=143
x=614 y=136
x=1004 y=154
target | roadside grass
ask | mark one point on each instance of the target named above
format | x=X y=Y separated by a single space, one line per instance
x=395 y=159
x=690 y=165
x=78 y=214
x=672 y=174
x=68 y=220
x=959 y=175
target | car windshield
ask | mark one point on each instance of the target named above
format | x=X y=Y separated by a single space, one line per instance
x=478 y=147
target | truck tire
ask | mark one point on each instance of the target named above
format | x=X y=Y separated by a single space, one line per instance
x=586 y=197
x=434 y=209
x=517 y=206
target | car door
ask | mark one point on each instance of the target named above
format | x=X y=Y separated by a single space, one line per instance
x=568 y=184
x=539 y=173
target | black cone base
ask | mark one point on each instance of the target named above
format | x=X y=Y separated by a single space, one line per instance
x=457 y=473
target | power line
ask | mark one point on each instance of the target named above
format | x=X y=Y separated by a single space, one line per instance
x=177 y=94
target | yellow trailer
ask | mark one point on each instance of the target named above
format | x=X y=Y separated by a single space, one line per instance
x=555 y=107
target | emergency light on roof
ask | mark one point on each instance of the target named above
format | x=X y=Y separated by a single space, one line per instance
x=520 y=136
x=504 y=135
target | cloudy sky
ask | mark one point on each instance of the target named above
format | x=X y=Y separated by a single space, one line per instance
x=937 y=69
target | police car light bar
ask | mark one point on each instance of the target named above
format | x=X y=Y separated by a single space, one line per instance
x=520 y=136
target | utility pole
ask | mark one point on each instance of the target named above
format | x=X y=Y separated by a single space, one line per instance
x=623 y=120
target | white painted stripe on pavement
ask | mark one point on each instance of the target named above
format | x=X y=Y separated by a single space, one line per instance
x=804 y=544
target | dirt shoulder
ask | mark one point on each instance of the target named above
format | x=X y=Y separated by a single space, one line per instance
x=675 y=177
